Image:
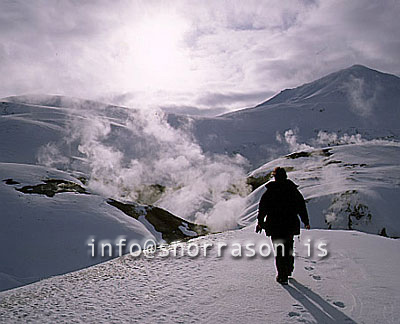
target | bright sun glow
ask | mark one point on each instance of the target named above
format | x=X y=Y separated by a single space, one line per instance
x=157 y=54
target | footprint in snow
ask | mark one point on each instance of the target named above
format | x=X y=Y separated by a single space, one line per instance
x=339 y=304
x=315 y=277
x=309 y=268
x=299 y=308
x=293 y=314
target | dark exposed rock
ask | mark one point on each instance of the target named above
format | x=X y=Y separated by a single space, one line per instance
x=324 y=152
x=10 y=182
x=297 y=155
x=169 y=225
x=383 y=232
x=50 y=187
x=256 y=182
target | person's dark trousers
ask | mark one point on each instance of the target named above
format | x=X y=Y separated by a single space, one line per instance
x=284 y=259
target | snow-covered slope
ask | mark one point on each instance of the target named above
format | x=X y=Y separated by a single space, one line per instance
x=357 y=283
x=355 y=186
x=352 y=101
x=130 y=157
x=356 y=100
x=124 y=153
x=49 y=217
x=29 y=123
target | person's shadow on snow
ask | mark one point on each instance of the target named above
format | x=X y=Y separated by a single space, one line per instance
x=320 y=309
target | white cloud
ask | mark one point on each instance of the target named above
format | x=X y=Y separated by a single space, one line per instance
x=123 y=161
x=362 y=102
x=94 y=50
x=329 y=139
x=290 y=138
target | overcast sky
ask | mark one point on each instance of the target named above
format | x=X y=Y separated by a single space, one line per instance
x=190 y=54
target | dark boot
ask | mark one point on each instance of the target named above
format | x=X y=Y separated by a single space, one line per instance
x=282 y=269
x=282 y=280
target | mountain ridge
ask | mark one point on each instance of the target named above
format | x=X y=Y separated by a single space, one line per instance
x=352 y=101
x=330 y=82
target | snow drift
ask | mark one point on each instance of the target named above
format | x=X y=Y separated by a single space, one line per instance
x=353 y=186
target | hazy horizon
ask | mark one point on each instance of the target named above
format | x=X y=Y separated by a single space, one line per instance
x=201 y=58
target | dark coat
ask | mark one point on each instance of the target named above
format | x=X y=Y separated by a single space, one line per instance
x=281 y=204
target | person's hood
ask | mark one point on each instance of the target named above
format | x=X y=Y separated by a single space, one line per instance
x=286 y=182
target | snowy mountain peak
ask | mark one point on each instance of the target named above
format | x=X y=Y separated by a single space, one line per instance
x=341 y=86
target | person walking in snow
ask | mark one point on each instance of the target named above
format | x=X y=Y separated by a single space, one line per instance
x=277 y=215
